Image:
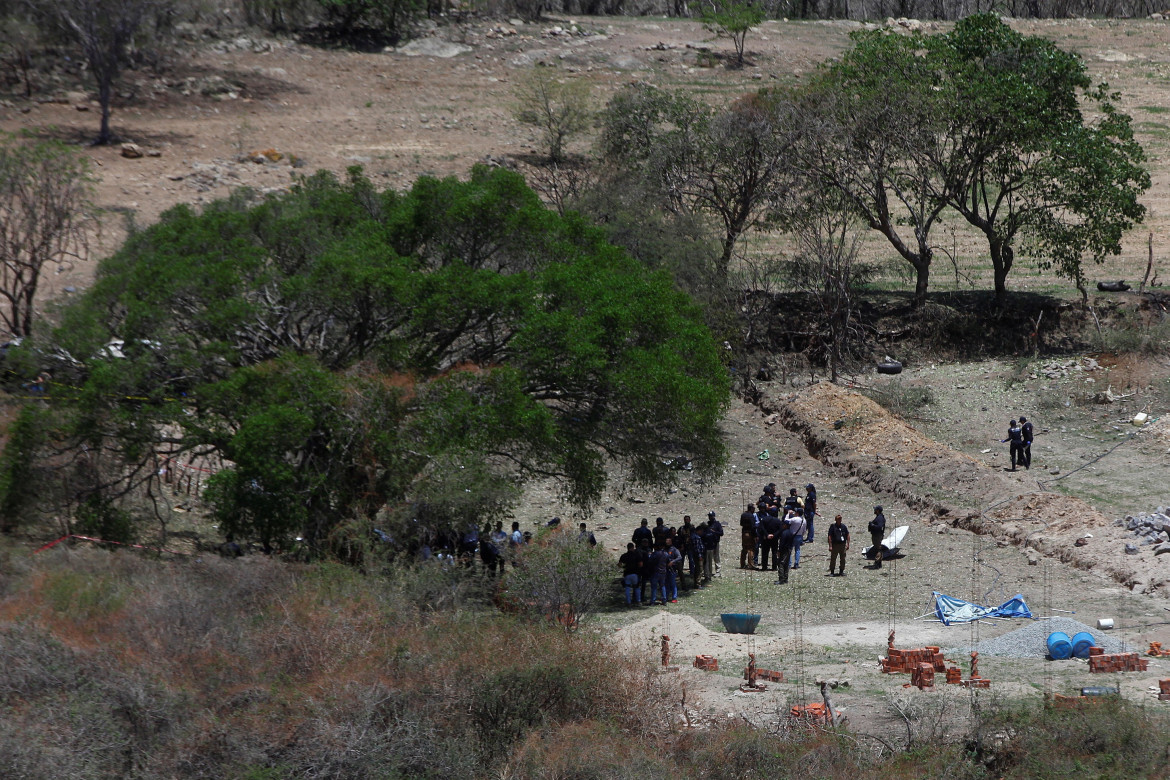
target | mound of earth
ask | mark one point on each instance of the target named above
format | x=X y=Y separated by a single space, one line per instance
x=689 y=637
x=850 y=432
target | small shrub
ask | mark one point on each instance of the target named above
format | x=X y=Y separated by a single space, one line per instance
x=902 y=399
x=99 y=518
x=561 y=578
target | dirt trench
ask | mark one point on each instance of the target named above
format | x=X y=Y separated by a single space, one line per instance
x=852 y=434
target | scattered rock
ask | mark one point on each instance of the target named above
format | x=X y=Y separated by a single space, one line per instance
x=131 y=151
x=1164 y=547
x=1131 y=549
x=433 y=47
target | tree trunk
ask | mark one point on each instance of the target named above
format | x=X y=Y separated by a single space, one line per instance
x=923 y=273
x=105 y=93
x=725 y=257
x=1002 y=258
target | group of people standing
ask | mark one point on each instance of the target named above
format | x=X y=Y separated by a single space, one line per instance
x=777 y=528
x=1020 y=437
x=656 y=559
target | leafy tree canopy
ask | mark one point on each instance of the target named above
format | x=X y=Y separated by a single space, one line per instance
x=343 y=349
x=1005 y=129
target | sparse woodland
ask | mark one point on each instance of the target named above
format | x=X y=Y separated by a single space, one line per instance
x=363 y=376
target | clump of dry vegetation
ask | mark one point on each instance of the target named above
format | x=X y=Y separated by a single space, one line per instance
x=112 y=664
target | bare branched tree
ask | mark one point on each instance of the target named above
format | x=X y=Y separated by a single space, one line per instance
x=557 y=105
x=46 y=219
x=826 y=268
x=107 y=32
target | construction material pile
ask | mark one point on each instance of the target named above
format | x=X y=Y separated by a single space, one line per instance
x=1031 y=641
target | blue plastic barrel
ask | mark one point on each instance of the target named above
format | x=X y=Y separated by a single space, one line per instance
x=1081 y=643
x=1059 y=646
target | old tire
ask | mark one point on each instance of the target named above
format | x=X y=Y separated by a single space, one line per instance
x=889 y=367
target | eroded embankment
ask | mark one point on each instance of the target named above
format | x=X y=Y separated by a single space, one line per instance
x=850 y=433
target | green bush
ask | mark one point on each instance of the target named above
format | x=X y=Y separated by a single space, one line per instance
x=100 y=518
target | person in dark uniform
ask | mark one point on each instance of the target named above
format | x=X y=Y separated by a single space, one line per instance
x=642 y=532
x=747 y=535
x=877 y=532
x=632 y=573
x=1016 y=437
x=659 y=532
x=793 y=501
x=770 y=529
x=810 y=509
x=1026 y=434
x=783 y=550
x=838 y=546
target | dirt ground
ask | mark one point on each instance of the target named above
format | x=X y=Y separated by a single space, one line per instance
x=402 y=113
x=835 y=628
x=401 y=116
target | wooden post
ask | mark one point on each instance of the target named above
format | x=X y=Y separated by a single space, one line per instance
x=1149 y=265
x=828 y=703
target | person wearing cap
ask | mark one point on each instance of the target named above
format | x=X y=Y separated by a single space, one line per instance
x=877 y=532
x=768 y=498
x=810 y=509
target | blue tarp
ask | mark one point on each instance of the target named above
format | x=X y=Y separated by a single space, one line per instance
x=952 y=610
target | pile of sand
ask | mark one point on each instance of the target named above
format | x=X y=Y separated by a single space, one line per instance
x=689 y=637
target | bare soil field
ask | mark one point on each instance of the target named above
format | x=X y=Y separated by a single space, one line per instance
x=401 y=115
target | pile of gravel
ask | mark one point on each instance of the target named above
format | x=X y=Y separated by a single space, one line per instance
x=1031 y=641
x=1149 y=528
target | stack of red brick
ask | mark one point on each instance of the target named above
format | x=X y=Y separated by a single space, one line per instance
x=908 y=661
x=1163 y=690
x=954 y=675
x=707 y=663
x=1100 y=661
x=923 y=677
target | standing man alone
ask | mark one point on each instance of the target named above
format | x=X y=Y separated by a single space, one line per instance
x=838 y=546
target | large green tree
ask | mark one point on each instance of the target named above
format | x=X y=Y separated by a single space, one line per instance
x=342 y=349
x=1004 y=129
x=1051 y=164
x=877 y=142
